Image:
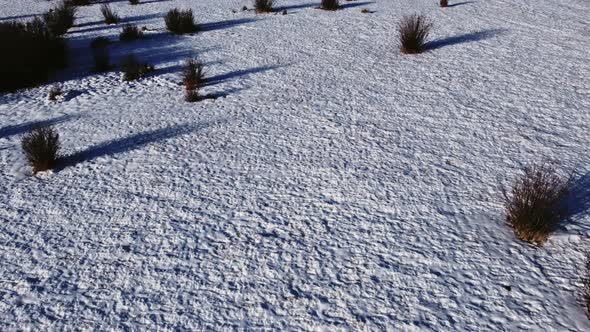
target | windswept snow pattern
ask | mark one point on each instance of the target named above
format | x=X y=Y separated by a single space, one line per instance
x=334 y=185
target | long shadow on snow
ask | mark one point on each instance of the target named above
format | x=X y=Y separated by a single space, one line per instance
x=100 y=25
x=465 y=38
x=224 y=77
x=129 y=143
x=204 y=27
x=154 y=49
x=18 y=17
x=305 y=5
x=460 y=3
x=28 y=126
x=579 y=198
x=355 y=4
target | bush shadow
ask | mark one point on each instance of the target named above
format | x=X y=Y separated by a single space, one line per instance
x=355 y=4
x=464 y=38
x=579 y=199
x=28 y=126
x=460 y=3
x=211 y=26
x=130 y=143
x=237 y=73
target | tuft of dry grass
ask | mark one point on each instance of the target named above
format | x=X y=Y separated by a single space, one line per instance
x=264 y=6
x=54 y=92
x=60 y=19
x=535 y=205
x=330 y=4
x=41 y=147
x=110 y=17
x=130 y=32
x=413 y=32
x=193 y=74
x=133 y=69
x=193 y=77
x=180 y=21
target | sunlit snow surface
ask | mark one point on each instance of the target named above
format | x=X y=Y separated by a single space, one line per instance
x=335 y=184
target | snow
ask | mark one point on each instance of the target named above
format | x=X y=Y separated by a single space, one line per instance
x=336 y=184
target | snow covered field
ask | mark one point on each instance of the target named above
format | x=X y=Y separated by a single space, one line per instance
x=336 y=184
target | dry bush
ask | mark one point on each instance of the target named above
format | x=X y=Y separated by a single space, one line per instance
x=102 y=59
x=444 y=3
x=41 y=147
x=193 y=77
x=330 y=4
x=60 y=19
x=130 y=32
x=180 y=21
x=413 y=32
x=535 y=204
x=54 y=92
x=192 y=96
x=110 y=17
x=100 y=54
x=264 y=6
x=193 y=74
x=134 y=2
x=133 y=69
x=29 y=52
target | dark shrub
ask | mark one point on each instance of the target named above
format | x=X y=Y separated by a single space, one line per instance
x=102 y=59
x=110 y=17
x=41 y=147
x=134 y=2
x=264 y=6
x=132 y=69
x=60 y=19
x=29 y=53
x=413 y=32
x=54 y=92
x=330 y=4
x=180 y=21
x=76 y=3
x=535 y=204
x=99 y=42
x=130 y=32
x=193 y=74
x=192 y=96
x=444 y=3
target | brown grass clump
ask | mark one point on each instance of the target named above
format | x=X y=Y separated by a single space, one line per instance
x=110 y=17
x=180 y=21
x=133 y=69
x=264 y=6
x=54 y=92
x=41 y=147
x=535 y=204
x=413 y=32
x=330 y=4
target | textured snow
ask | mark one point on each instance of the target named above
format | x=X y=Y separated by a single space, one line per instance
x=335 y=184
